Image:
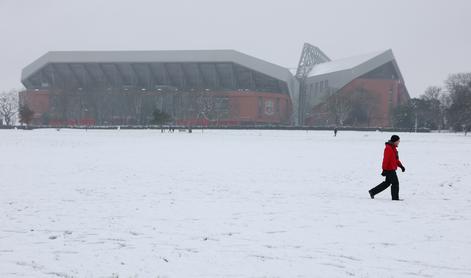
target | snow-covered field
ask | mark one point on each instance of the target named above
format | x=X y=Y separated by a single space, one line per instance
x=76 y=203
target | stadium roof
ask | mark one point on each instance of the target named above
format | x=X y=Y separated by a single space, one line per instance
x=343 y=64
x=342 y=71
x=160 y=56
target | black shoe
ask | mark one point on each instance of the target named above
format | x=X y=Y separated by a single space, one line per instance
x=372 y=196
x=398 y=199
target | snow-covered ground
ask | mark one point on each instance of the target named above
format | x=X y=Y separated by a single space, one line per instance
x=76 y=203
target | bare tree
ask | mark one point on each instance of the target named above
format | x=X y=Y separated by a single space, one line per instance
x=431 y=93
x=206 y=106
x=339 y=106
x=437 y=102
x=26 y=114
x=212 y=107
x=459 y=112
x=9 y=106
x=445 y=103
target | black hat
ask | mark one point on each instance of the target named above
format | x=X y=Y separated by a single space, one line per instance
x=394 y=138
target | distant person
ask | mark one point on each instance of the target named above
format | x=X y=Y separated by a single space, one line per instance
x=335 y=132
x=390 y=163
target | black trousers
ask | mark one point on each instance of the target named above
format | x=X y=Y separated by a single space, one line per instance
x=391 y=179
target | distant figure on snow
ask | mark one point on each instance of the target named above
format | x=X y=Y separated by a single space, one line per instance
x=335 y=131
x=390 y=163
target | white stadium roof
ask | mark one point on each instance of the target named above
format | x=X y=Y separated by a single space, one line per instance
x=159 y=56
x=342 y=64
x=342 y=71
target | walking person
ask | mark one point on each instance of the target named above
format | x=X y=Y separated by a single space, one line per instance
x=390 y=163
x=335 y=131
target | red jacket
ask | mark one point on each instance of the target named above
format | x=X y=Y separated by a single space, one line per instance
x=391 y=157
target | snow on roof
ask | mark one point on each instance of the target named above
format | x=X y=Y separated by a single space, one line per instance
x=344 y=63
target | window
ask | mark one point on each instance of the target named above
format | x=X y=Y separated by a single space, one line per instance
x=277 y=106
x=260 y=107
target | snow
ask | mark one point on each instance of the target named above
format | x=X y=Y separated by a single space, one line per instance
x=128 y=203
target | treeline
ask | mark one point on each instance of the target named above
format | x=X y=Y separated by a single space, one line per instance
x=447 y=107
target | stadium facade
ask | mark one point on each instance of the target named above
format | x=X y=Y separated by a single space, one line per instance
x=210 y=87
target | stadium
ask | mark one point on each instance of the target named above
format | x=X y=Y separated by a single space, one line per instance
x=211 y=88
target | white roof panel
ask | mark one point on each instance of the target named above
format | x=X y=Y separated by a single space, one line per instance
x=343 y=64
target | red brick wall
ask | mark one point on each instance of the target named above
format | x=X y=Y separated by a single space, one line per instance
x=260 y=107
x=38 y=101
x=386 y=94
x=251 y=107
x=245 y=107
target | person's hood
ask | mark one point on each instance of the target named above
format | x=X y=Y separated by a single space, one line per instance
x=390 y=143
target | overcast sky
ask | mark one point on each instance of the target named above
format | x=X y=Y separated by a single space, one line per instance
x=430 y=38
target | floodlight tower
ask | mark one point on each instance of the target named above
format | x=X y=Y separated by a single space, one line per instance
x=310 y=56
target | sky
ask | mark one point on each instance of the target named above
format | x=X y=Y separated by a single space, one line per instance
x=430 y=39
